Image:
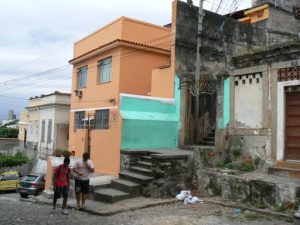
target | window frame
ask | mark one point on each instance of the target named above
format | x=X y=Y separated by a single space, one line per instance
x=43 y=131
x=49 y=131
x=80 y=73
x=101 y=119
x=81 y=125
x=101 y=67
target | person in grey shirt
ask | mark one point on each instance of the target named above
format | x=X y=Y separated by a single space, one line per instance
x=82 y=170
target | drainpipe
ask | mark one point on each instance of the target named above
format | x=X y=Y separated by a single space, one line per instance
x=198 y=63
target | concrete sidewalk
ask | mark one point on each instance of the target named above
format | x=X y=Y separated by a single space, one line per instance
x=108 y=209
x=105 y=209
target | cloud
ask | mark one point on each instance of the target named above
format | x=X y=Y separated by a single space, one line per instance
x=39 y=35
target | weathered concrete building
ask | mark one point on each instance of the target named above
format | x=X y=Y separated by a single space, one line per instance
x=250 y=81
x=222 y=39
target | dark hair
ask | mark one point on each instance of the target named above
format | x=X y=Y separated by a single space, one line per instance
x=86 y=155
x=66 y=160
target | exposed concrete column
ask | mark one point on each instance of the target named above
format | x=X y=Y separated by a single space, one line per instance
x=185 y=84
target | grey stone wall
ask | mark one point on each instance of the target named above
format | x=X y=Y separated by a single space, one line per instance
x=172 y=173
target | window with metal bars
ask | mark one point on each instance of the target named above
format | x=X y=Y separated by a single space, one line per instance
x=79 y=119
x=102 y=119
x=43 y=131
x=49 y=132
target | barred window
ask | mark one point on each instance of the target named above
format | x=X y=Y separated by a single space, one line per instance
x=102 y=119
x=43 y=131
x=82 y=77
x=79 y=118
x=49 y=132
x=104 y=70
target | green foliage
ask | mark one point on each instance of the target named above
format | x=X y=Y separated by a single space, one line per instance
x=231 y=166
x=261 y=205
x=248 y=167
x=257 y=161
x=296 y=205
x=13 y=160
x=236 y=152
x=280 y=208
x=6 y=132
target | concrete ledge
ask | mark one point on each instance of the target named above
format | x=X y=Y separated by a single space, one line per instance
x=169 y=156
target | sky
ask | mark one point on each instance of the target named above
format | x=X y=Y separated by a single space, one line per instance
x=37 y=39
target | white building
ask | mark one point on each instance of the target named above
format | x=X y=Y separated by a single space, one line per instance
x=48 y=123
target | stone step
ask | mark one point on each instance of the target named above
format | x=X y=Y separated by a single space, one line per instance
x=127 y=186
x=141 y=170
x=284 y=171
x=288 y=164
x=211 y=135
x=110 y=195
x=208 y=143
x=146 y=158
x=147 y=165
x=209 y=139
x=135 y=177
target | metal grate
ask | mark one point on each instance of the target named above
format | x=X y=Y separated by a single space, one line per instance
x=102 y=119
x=290 y=73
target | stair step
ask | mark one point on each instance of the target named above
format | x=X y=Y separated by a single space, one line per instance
x=110 y=195
x=135 y=177
x=288 y=164
x=126 y=186
x=284 y=171
x=147 y=158
x=208 y=143
x=209 y=139
x=141 y=170
x=147 y=165
x=211 y=135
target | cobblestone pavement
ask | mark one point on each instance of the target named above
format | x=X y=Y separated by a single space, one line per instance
x=16 y=212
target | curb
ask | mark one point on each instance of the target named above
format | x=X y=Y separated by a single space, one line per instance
x=110 y=213
x=167 y=202
x=107 y=213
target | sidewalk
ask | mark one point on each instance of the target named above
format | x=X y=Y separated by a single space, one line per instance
x=108 y=209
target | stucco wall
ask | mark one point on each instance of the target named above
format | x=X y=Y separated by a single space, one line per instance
x=248 y=101
x=162 y=83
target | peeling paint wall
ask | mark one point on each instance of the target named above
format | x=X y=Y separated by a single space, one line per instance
x=248 y=101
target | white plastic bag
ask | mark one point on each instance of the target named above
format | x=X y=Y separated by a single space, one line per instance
x=186 y=201
x=195 y=200
x=180 y=197
x=185 y=193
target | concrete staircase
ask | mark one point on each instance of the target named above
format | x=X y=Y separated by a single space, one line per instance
x=209 y=140
x=129 y=183
x=286 y=168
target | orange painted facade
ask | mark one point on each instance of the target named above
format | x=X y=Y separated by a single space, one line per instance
x=256 y=14
x=135 y=48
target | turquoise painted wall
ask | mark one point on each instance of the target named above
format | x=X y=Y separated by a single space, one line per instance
x=226 y=104
x=150 y=123
x=224 y=120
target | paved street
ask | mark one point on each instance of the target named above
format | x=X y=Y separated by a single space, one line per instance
x=16 y=212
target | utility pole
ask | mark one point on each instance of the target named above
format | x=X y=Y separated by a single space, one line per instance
x=197 y=86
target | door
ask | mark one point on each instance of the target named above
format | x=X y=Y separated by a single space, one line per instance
x=292 y=126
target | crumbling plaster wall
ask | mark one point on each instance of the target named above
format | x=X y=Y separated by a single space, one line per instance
x=222 y=38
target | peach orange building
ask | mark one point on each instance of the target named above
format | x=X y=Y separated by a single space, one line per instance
x=126 y=56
